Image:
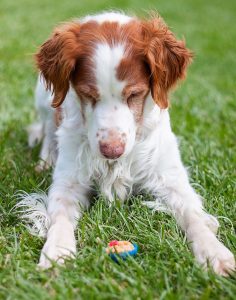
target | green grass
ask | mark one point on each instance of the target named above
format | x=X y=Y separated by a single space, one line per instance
x=203 y=116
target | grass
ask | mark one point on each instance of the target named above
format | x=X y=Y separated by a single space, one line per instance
x=203 y=116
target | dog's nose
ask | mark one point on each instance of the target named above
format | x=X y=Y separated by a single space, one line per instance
x=112 y=151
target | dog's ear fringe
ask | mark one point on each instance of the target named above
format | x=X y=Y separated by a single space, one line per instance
x=56 y=60
x=167 y=57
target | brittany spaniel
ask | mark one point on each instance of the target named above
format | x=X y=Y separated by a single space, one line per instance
x=103 y=102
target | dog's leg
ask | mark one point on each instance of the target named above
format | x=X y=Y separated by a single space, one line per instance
x=67 y=199
x=44 y=130
x=35 y=134
x=182 y=201
x=200 y=229
x=48 y=153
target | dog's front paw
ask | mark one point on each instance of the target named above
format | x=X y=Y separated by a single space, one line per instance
x=57 y=249
x=216 y=254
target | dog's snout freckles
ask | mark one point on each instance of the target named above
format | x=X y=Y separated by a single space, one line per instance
x=111 y=143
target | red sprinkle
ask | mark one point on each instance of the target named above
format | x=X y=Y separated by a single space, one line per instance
x=113 y=243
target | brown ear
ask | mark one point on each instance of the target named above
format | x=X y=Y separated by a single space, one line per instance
x=56 y=60
x=166 y=56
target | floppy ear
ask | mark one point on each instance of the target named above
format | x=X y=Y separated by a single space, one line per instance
x=166 y=56
x=56 y=60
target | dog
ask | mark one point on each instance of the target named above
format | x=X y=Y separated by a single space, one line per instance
x=103 y=98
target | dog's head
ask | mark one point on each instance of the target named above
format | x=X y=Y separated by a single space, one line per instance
x=113 y=67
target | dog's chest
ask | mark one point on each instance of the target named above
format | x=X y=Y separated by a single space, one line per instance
x=119 y=179
x=114 y=180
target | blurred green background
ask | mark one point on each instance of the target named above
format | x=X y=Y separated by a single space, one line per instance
x=203 y=116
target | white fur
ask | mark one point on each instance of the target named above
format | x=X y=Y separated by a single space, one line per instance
x=151 y=162
x=111 y=112
x=106 y=60
x=34 y=212
x=108 y=17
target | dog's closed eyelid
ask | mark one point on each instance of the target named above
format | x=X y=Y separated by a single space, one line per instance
x=89 y=96
x=88 y=93
x=136 y=91
x=136 y=95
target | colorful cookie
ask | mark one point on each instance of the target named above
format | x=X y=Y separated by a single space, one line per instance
x=122 y=249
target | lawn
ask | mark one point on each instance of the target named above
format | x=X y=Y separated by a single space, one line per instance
x=204 y=118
